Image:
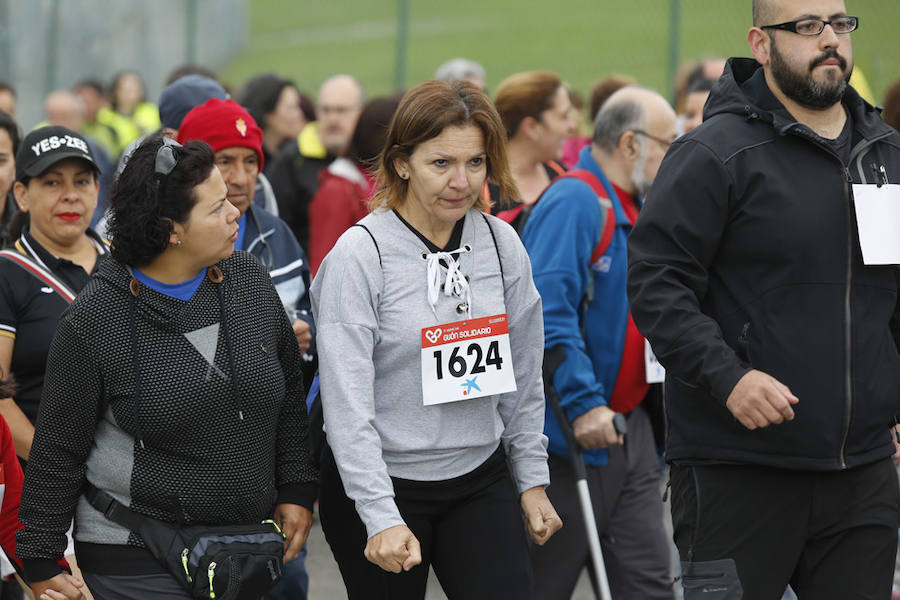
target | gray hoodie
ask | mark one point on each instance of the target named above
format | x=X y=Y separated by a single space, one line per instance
x=370 y=318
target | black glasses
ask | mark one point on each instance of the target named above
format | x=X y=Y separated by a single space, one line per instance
x=817 y=26
x=165 y=156
x=664 y=143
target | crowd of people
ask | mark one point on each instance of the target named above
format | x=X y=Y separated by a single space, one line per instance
x=477 y=329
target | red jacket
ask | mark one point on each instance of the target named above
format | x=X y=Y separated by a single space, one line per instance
x=11 y=479
x=340 y=201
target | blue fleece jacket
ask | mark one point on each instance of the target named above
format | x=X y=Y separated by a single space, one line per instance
x=560 y=237
x=272 y=242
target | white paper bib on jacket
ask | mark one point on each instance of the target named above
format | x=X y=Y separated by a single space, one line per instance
x=466 y=359
x=878 y=220
x=655 y=372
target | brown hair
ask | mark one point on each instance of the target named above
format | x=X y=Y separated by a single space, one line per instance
x=606 y=87
x=891 y=114
x=524 y=95
x=424 y=112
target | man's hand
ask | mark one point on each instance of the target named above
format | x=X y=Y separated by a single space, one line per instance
x=395 y=549
x=295 y=522
x=541 y=520
x=303 y=333
x=760 y=400
x=595 y=429
x=59 y=587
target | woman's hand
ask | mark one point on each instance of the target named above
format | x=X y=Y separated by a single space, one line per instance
x=395 y=549
x=303 y=334
x=60 y=587
x=541 y=520
x=295 y=522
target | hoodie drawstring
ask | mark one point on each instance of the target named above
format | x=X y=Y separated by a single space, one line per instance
x=215 y=275
x=454 y=283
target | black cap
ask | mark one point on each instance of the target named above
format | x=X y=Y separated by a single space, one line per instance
x=46 y=146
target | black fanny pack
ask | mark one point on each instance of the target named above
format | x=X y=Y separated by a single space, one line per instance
x=220 y=562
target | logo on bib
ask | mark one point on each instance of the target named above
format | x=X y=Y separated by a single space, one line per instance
x=470 y=385
x=434 y=335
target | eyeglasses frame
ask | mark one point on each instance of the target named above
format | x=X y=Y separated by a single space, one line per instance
x=792 y=25
x=664 y=143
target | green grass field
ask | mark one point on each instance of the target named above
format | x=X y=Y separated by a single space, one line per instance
x=582 y=40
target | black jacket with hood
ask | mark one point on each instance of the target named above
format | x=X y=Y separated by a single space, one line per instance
x=217 y=426
x=746 y=256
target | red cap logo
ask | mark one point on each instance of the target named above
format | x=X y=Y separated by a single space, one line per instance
x=241 y=126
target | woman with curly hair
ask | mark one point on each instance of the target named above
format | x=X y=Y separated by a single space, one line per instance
x=189 y=406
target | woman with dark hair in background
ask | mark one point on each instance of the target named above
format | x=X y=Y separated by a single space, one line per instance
x=537 y=114
x=692 y=106
x=346 y=186
x=274 y=103
x=52 y=257
x=9 y=145
x=440 y=458
x=189 y=406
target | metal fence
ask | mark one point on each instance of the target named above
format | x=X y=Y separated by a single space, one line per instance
x=51 y=44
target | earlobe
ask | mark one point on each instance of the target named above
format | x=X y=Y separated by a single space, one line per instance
x=759 y=45
x=628 y=145
x=21 y=194
x=401 y=167
x=528 y=126
x=175 y=232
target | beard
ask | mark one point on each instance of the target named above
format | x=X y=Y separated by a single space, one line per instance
x=802 y=88
x=639 y=179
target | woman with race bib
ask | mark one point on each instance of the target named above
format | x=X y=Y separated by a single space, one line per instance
x=430 y=365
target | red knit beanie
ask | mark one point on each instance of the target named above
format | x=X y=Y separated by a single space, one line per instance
x=222 y=124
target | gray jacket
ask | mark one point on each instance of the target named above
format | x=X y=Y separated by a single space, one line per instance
x=370 y=318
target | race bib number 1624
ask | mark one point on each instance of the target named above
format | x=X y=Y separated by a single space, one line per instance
x=466 y=359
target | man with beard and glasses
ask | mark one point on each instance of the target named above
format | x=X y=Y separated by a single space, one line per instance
x=780 y=342
x=582 y=285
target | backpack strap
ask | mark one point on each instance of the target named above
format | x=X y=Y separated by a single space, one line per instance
x=377 y=249
x=555 y=166
x=112 y=509
x=608 y=224
x=609 y=227
x=496 y=247
x=39 y=273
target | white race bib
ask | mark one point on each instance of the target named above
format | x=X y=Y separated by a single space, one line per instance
x=466 y=359
x=656 y=373
x=878 y=220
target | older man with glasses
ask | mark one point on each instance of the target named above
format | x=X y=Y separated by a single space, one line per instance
x=754 y=274
x=576 y=238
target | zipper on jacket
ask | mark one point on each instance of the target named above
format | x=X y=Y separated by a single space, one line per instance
x=184 y=563
x=804 y=132
x=744 y=341
x=848 y=324
x=211 y=572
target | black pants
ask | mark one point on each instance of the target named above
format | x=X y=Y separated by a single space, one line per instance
x=128 y=587
x=831 y=535
x=470 y=529
x=628 y=508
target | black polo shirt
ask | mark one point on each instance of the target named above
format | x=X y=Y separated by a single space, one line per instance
x=30 y=311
